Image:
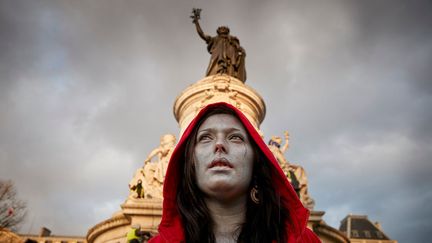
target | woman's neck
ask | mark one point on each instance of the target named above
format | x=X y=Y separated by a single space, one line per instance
x=227 y=217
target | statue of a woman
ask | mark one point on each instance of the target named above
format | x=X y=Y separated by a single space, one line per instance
x=227 y=56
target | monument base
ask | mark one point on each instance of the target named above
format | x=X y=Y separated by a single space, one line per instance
x=146 y=212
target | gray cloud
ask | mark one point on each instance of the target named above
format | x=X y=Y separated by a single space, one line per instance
x=87 y=88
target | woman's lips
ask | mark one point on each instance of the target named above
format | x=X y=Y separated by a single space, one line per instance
x=220 y=162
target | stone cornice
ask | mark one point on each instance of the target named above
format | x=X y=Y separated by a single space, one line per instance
x=106 y=225
x=149 y=207
x=324 y=229
x=218 y=88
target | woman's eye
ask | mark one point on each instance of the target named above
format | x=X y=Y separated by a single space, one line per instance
x=236 y=138
x=204 y=137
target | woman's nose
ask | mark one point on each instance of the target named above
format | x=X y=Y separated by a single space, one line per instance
x=220 y=147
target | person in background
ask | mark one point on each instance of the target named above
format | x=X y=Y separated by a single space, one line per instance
x=135 y=235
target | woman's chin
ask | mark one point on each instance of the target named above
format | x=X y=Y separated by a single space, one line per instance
x=216 y=186
x=224 y=190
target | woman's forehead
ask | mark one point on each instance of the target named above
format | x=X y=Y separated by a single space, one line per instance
x=222 y=121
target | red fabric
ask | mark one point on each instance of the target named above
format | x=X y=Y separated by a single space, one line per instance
x=171 y=229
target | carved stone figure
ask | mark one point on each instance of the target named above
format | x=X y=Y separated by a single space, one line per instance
x=227 y=56
x=163 y=153
x=152 y=173
x=295 y=173
x=275 y=146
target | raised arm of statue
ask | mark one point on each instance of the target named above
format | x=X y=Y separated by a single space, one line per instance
x=286 y=145
x=152 y=154
x=195 y=17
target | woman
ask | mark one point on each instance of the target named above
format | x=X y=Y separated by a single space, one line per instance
x=224 y=185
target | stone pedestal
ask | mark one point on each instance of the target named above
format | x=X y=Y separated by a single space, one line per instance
x=218 y=88
x=146 y=212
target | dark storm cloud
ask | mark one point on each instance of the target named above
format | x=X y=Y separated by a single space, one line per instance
x=87 y=89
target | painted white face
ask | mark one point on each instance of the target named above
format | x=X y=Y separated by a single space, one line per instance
x=223 y=157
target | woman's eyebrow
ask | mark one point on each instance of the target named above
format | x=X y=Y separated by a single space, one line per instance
x=206 y=130
x=230 y=129
x=233 y=129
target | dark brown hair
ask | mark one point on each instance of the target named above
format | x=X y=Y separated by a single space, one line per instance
x=265 y=222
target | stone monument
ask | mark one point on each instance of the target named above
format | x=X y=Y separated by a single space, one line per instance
x=224 y=81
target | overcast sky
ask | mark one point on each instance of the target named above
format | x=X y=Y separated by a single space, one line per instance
x=87 y=89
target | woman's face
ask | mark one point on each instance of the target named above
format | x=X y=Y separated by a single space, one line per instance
x=223 y=157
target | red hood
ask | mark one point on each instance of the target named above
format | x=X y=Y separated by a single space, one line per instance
x=170 y=228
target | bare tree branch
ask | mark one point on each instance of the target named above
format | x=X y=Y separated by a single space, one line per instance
x=12 y=210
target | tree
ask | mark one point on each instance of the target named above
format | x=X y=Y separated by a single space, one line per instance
x=12 y=210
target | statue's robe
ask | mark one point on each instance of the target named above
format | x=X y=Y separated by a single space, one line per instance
x=226 y=57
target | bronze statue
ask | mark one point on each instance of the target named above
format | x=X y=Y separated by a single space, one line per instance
x=227 y=56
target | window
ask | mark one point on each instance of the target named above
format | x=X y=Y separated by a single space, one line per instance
x=379 y=234
x=367 y=234
x=354 y=233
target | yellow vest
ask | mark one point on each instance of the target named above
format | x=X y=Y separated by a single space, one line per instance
x=132 y=235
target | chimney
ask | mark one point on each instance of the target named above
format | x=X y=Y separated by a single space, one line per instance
x=349 y=225
x=378 y=225
x=44 y=232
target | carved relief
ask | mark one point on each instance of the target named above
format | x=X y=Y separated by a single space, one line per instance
x=221 y=90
